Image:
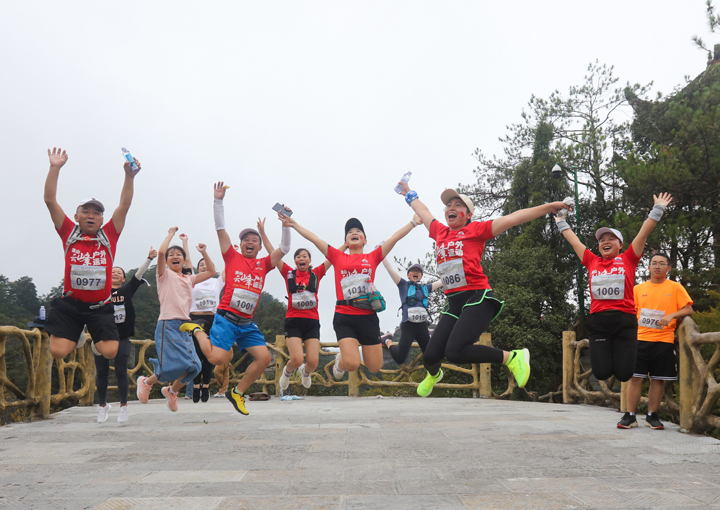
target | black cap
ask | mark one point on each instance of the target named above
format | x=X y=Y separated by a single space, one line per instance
x=353 y=223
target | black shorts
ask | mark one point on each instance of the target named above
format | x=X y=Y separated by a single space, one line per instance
x=207 y=319
x=658 y=359
x=302 y=327
x=67 y=317
x=364 y=328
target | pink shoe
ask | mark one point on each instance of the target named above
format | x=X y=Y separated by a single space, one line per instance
x=143 y=390
x=171 y=399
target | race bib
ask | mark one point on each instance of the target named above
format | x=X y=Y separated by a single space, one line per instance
x=452 y=274
x=417 y=314
x=304 y=300
x=119 y=314
x=608 y=286
x=650 y=318
x=87 y=277
x=355 y=285
x=205 y=301
x=244 y=301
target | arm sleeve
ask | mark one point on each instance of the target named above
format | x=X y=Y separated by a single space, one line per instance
x=219 y=214
x=143 y=267
x=285 y=240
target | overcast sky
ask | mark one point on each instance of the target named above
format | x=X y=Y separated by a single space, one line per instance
x=321 y=105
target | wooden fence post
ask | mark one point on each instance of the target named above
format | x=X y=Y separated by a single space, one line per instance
x=279 y=361
x=86 y=359
x=354 y=383
x=43 y=377
x=485 y=390
x=623 y=396
x=568 y=365
x=688 y=376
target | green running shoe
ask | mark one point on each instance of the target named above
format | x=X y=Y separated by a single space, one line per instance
x=520 y=366
x=426 y=387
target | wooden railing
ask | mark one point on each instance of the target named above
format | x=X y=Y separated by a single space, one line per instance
x=698 y=389
x=76 y=374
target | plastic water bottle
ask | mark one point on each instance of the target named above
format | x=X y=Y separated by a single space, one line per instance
x=128 y=156
x=405 y=178
x=42 y=313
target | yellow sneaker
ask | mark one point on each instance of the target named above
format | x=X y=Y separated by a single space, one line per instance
x=520 y=366
x=189 y=327
x=238 y=401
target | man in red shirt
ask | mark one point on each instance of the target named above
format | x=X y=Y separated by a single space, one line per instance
x=89 y=252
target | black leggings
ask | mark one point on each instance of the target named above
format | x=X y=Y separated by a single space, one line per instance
x=410 y=332
x=206 y=369
x=613 y=344
x=102 y=365
x=466 y=316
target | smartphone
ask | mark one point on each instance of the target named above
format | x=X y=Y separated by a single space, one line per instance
x=279 y=208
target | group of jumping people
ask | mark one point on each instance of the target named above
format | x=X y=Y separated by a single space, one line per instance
x=203 y=314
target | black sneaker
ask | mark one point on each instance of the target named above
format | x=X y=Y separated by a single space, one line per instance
x=628 y=421
x=205 y=394
x=652 y=421
x=196 y=394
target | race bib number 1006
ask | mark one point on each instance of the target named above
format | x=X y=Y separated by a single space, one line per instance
x=608 y=286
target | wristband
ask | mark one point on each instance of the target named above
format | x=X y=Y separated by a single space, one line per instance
x=411 y=195
x=657 y=212
x=562 y=225
x=413 y=222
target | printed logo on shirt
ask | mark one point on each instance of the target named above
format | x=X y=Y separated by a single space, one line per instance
x=97 y=258
x=364 y=261
x=451 y=250
x=614 y=270
x=344 y=273
x=248 y=280
x=460 y=233
x=117 y=298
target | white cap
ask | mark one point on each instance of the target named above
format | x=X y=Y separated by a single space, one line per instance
x=94 y=202
x=449 y=194
x=604 y=230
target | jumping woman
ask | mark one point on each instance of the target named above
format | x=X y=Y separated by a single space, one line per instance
x=471 y=305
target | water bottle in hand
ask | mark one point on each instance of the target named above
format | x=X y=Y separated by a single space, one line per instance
x=131 y=160
x=405 y=178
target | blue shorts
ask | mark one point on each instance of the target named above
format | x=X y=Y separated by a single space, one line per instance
x=224 y=334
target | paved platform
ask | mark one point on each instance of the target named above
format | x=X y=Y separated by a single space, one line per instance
x=344 y=453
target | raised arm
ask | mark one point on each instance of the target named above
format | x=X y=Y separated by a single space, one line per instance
x=503 y=223
x=188 y=263
x=388 y=245
x=661 y=203
x=417 y=206
x=391 y=271
x=321 y=245
x=282 y=250
x=146 y=263
x=219 y=215
x=436 y=285
x=266 y=242
x=126 y=196
x=327 y=263
x=209 y=266
x=161 y=267
x=58 y=158
x=569 y=235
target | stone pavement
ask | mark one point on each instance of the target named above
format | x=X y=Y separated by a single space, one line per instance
x=344 y=453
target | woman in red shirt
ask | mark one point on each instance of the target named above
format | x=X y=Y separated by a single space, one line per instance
x=354 y=276
x=613 y=323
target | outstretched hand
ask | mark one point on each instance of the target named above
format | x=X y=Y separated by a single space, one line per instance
x=287 y=221
x=152 y=253
x=663 y=199
x=129 y=169
x=556 y=207
x=219 y=190
x=261 y=226
x=58 y=157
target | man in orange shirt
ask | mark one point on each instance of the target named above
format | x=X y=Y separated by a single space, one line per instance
x=660 y=304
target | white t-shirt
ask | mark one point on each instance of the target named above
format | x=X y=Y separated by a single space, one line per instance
x=206 y=295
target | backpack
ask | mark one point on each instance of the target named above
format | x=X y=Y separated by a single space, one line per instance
x=77 y=235
x=293 y=287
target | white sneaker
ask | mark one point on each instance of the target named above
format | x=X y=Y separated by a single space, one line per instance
x=336 y=369
x=123 y=416
x=103 y=412
x=284 y=380
x=81 y=340
x=219 y=395
x=305 y=379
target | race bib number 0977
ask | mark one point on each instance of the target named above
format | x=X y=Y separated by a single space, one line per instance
x=87 y=277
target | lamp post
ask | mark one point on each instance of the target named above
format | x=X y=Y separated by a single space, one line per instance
x=556 y=174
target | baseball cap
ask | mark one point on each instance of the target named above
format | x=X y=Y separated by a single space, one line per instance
x=92 y=201
x=449 y=194
x=247 y=231
x=416 y=266
x=353 y=223
x=612 y=231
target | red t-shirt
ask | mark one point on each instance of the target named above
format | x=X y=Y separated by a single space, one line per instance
x=352 y=275
x=244 y=282
x=459 y=253
x=88 y=265
x=612 y=281
x=305 y=303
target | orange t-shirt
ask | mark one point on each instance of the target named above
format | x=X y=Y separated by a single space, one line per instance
x=654 y=301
